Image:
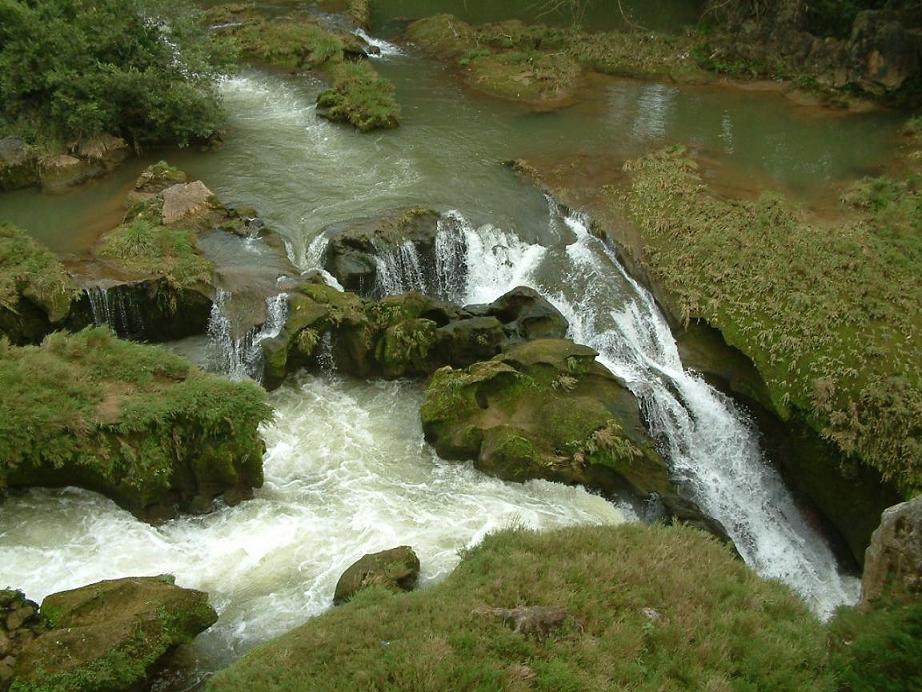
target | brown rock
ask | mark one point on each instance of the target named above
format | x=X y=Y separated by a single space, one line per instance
x=396 y=569
x=185 y=200
x=893 y=561
x=531 y=621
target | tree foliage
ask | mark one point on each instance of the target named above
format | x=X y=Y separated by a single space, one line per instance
x=141 y=69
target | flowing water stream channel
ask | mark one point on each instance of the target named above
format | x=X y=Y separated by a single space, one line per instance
x=347 y=469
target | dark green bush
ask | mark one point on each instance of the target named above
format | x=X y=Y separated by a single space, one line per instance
x=142 y=69
x=879 y=651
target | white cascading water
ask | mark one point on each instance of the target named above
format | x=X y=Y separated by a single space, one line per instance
x=241 y=357
x=385 y=48
x=112 y=308
x=712 y=447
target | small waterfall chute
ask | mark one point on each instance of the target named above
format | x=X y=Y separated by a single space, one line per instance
x=241 y=356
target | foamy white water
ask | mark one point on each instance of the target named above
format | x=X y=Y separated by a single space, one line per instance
x=712 y=447
x=347 y=472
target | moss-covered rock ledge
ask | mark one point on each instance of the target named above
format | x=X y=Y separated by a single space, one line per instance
x=644 y=608
x=135 y=423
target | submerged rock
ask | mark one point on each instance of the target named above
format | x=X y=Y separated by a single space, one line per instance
x=893 y=562
x=135 y=423
x=547 y=409
x=109 y=635
x=396 y=569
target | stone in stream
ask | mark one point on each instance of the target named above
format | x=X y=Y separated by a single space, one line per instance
x=357 y=247
x=547 y=409
x=108 y=635
x=893 y=562
x=396 y=569
x=18 y=164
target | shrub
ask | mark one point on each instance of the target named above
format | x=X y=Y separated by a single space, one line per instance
x=141 y=69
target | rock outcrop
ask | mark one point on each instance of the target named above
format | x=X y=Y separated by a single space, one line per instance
x=408 y=335
x=396 y=569
x=135 y=423
x=22 y=166
x=106 y=637
x=547 y=409
x=893 y=562
x=20 y=624
x=358 y=247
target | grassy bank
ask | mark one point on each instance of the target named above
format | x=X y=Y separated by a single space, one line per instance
x=646 y=608
x=828 y=311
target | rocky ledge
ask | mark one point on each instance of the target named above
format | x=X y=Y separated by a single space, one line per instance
x=105 y=637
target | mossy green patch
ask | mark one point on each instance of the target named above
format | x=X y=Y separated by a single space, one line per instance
x=149 y=249
x=647 y=608
x=134 y=422
x=829 y=313
x=29 y=270
x=358 y=95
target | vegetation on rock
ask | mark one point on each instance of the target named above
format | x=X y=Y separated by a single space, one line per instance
x=141 y=69
x=396 y=569
x=107 y=636
x=35 y=290
x=705 y=622
x=829 y=313
x=133 y=422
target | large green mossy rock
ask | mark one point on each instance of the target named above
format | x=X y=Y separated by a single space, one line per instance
x=396 y=569
x=547 y=409
x=135 y=423
x=648 y=607
x=107 y=636
x=36 y=292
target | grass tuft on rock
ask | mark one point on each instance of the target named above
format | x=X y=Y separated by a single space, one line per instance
x=359 y=96
x=30 y=270
x=136 y=423
x=647 y=608
x=828 y=312
x=150 y=249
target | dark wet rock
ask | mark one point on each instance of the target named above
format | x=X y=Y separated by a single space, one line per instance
x=893 y=563
x=108 y=636
x=356 y=247
x=547 y=409
x=396 y=569
x=527 y=315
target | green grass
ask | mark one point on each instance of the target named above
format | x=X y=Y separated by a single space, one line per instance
x=360 y=96
x=829 y=312
x=29 y=269
x=720 y=627
x=120 y=416
x=877 y=651
x=147 y=248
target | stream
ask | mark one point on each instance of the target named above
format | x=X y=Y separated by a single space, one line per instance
x=347 y=469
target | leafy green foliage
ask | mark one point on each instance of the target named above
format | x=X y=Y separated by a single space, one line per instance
x=141 y=69
x=877 y=651
x=829 y=313
x=120 y=417
x=149 y=248
x=710 y=623
x=31 y=270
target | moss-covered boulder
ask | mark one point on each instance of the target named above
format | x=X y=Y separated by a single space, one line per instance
x=36 y=292
x=18 y=164
x=396 y=569
x=893 y=565
x=547 y=409
x=357 y=247
x=648 y=607
x=106 y=637
x=358 y=95
x=135 y=423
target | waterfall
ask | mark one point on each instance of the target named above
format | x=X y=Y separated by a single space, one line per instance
x=241 y=357
x=712 y=447
x=117 y=309
x=399 y=271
